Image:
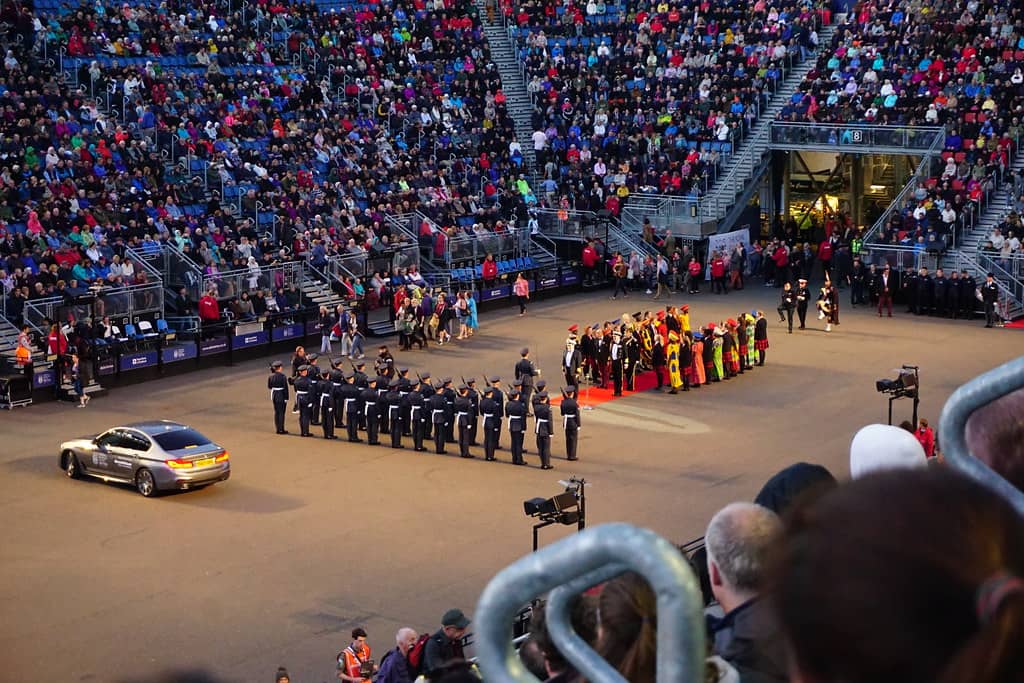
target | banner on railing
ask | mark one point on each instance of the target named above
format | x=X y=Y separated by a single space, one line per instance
x=570 y=277
x=215 y=345
x=725 y=243
x=244 y=341
x=107 y=366
x=495 y=293
x=286 y=332
x=176 y=353
x=137 y=361
x=44 y=378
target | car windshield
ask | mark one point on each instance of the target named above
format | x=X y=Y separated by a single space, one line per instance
x=180 y=439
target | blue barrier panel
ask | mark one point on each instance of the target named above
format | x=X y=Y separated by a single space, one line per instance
x=107 y=366
x=215 y=345
x=44 y=378
x=570 y=277
x=176 y=353
x=495 y=293
x=548 y=283
x=286 y=332
x=136 y=361
x=244 y=341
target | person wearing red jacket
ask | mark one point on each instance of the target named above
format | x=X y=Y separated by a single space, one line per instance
x=490 y=270
x=718 y=274
x=589 y=259
x=694 y=270
x=926 y=436
x=781 y=258
x=209 y=309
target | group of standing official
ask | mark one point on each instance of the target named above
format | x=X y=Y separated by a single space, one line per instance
x=391 y=404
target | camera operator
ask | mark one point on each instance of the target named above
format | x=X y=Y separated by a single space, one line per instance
x=354 y=663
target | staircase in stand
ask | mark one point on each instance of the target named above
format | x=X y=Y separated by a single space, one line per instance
x=981 y=263
x=518 y=102
x=740 y=171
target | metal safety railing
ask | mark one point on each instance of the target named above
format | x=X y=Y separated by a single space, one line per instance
x=231 y=283
x=964 y=402
x=513 y=243
x=859 y=138
x=574 y=564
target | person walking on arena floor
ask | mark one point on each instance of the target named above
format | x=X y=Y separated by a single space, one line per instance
x=521 y=289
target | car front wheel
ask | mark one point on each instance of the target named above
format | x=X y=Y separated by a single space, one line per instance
x=145 y=484
x=71 y=468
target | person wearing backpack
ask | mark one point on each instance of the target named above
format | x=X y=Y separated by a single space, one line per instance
x=430 y=653
x=394 y=665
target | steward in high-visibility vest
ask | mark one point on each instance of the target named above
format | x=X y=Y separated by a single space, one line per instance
x=354 y=663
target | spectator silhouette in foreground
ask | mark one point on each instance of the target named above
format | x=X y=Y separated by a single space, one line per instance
x=739 y=540
x=583 y=616
x=627 y=632
x=905 y=575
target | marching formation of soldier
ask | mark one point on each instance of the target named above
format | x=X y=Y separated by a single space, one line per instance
x=388 y=406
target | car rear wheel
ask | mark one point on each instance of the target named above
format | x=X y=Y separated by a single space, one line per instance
x=71 y=468
x=145 y=484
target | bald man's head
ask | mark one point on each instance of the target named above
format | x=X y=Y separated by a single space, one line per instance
x=405 y=639
x=738 y=540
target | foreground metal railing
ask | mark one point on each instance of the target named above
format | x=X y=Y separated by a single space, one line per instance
x=574 y=564
x=973 y=395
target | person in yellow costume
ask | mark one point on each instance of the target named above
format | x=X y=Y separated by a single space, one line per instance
x=675 y=374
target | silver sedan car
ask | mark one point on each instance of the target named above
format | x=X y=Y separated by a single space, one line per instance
x=151 y=456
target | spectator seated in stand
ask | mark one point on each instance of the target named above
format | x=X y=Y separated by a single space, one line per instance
x=635 y=97
x=896 y=65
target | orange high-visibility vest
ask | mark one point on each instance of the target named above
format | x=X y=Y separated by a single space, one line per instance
x=354 y=661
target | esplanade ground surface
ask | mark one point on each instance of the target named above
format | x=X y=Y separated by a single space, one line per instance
x=310 y=538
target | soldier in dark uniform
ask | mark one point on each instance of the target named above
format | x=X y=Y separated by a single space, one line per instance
x=908 y=286
x=516 y=412
x=449 y=414
x=337 y=380
x=278 y=385
x=990 y=297
x=405 y=388
x=394 y=401
x=384 y=364
x=499 y=398
x=350 y=400
x=427 y=390
x=803 y=298
x=489 y=411
x=925 y=289
x=417 y=415
x=474 y=409
x=525 y=371
x=786 y=306
x=571 y=360
x=542 y=428
x=953 y=294
x=302 y=397
x=383 y=414
x=462 y=408
x=940 y=285
x=570 y=420
x=368 y=399
x=327 y=405
x=968 y=289
x=314 y=389
x=617 y=357
x=588 y=354
x=361 y=381
x=604 y=350
x=438 y=407
x=858 y=277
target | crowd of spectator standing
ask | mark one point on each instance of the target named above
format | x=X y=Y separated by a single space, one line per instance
x=958 y=65
x=649 y=96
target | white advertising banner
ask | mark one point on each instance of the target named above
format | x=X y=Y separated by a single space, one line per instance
x=725 y=243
